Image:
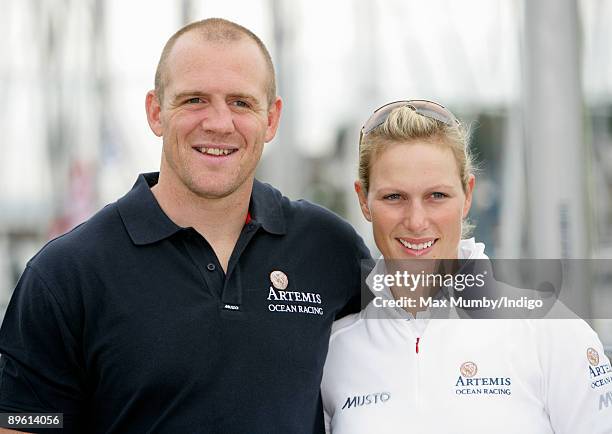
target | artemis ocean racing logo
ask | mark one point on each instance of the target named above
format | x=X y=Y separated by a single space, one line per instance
x=600 y=376
x=469 y=384
x=278 y=292
x=295 y=296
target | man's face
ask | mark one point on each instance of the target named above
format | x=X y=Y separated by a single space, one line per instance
x=214 y=117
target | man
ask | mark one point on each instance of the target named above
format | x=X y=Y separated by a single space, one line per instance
x=202 y=300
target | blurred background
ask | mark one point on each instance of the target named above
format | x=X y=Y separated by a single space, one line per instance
x=532 y=78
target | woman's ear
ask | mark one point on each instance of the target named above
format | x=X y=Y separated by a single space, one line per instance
x=468 y=195
x=363 y=200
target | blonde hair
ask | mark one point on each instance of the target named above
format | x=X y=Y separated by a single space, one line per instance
x=214 y=30
x=404 y=124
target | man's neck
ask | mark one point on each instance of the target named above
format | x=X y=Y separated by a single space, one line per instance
x=218 y=220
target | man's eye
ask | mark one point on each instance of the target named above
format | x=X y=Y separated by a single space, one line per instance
x=194 y=100
x=393 y=196
x=241 y=104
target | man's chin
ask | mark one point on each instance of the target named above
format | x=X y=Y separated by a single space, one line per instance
x=211 y=193
x=214 y=191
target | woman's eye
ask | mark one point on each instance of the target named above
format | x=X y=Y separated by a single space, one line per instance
x=438 y=195
x=393 y=196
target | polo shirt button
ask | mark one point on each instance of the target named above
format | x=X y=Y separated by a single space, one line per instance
x=211 y=267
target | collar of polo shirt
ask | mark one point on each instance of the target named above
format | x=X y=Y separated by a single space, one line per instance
x=147 y=223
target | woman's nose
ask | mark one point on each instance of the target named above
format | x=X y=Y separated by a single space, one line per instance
x=415 y=218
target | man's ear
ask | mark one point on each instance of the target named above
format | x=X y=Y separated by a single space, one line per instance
x=363 y=200
x=153 y=108
x=274 y=113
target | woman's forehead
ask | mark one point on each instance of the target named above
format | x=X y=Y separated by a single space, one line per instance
x=411 y=161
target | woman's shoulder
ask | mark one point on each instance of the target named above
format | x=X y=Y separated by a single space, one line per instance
x=348 y=324
x=564 y=332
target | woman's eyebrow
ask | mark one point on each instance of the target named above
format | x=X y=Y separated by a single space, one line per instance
x=389 y=188
x=441 y=186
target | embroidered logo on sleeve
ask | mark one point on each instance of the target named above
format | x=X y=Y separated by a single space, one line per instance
x=605 y=400
x=593 y=356
x=600 y=371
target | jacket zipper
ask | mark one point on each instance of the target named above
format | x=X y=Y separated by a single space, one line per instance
x=417 y=377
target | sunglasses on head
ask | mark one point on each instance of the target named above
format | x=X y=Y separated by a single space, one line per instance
x=426 y=108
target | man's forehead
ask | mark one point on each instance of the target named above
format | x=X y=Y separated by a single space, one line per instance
x=193 y=53
x=189 y=42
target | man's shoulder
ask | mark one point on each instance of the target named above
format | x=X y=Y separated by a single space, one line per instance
x=93 y=235
x=303 y=212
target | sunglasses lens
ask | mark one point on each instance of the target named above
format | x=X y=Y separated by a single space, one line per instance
x=425 y=108
x=380 y=116
x=433 y=110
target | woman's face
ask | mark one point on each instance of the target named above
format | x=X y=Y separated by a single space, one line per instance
x=416 y=202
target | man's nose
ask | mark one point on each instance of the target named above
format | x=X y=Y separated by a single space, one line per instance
x=218 y=119
x=415 y=218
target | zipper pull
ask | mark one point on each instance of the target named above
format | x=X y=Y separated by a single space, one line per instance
x=417 y=345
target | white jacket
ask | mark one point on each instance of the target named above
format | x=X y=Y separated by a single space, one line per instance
x=532 y=376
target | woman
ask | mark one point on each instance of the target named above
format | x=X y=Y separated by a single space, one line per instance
x=409 y=373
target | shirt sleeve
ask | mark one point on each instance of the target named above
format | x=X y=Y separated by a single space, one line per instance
x=358 y=293
x=327 y=413
x=577 y=378
x=327 y=422
x=40 y=367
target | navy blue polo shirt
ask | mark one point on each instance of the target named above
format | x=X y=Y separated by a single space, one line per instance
x=128 y=323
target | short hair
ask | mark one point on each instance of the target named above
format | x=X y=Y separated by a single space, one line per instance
x=215 y=30
x=406 y=125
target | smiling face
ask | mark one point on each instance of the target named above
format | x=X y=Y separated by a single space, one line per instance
x=214 y=117
x=416 y=201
